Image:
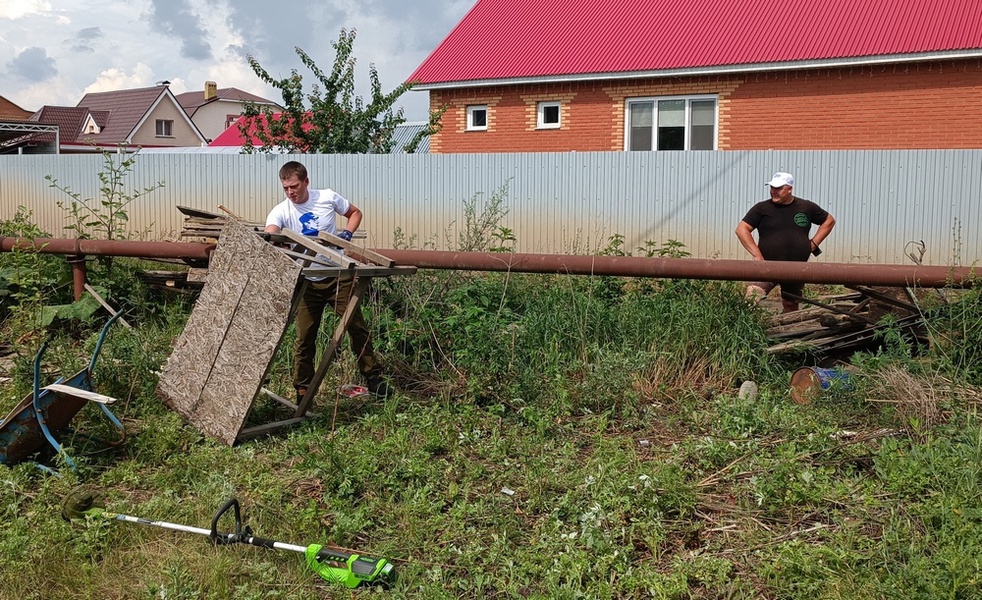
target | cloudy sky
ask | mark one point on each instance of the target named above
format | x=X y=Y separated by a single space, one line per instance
x=54 y=51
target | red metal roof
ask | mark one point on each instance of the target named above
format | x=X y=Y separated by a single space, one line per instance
x=517 y=39
x=233 y=137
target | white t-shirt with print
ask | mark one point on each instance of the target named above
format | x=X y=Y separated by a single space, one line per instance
x=315 y=215
x=318 y=213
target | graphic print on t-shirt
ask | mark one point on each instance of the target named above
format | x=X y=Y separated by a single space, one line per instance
x=309 y=222
x=801 y=220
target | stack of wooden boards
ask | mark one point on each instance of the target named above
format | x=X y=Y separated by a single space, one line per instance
x=848 y=321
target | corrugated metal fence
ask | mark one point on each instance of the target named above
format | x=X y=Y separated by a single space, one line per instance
x=559 y=202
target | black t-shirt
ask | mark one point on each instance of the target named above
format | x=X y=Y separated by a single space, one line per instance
x=783 y=230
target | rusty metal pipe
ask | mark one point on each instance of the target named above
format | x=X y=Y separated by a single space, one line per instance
x=79 y=274
x=623 y=266
x=133 y=249
x=691 y=268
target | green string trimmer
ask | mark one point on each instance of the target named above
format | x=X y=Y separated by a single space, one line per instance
x=346 y=568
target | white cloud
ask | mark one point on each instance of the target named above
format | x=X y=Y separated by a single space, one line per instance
x=118 y=79
x=99 y=45
x=36 y=95
x=15 y=9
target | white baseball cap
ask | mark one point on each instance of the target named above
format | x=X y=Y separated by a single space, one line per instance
x=781 y=179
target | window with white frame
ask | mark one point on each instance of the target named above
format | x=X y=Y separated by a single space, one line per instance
x=165 y=128
x=548 y=115
x=477 y=117
x=674 y=123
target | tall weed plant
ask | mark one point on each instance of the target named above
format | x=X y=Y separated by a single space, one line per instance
x=29 y=279
x=594 y=343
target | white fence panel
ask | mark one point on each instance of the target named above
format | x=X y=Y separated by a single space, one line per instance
x=559 y=202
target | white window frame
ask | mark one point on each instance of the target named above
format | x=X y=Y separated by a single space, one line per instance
x=688 y=119
x=540 y=111
x=470 y=117
x=165 y=128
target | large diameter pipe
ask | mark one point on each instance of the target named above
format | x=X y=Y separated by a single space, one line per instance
x=623 y=266
x=82 y=247
x=691 y=268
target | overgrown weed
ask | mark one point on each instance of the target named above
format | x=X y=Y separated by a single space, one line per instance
x=563 y=437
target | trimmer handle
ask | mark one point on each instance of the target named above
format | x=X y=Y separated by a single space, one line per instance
x=227 y=538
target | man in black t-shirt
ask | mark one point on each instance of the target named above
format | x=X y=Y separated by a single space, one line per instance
x=783 y=224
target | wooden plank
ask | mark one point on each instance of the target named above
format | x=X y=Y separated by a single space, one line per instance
x=364 y=253
x=258 y=430
x=315 y=259
x=281 y=400
x=354 y=303
x=197 y=275
x=197 y=212
x=105 y=305
x=314 y=245
x=359 y=272
x=67 y=390
x=184 y=375
x=885 y=298
x=832 y=308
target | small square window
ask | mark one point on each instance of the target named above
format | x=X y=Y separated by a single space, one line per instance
x=477 y=117
x=165 y=128
x=548 y=115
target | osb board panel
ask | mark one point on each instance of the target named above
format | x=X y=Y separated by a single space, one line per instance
x=187 y=370
x=216 y=369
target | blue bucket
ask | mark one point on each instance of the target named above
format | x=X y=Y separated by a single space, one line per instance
x=808 y=383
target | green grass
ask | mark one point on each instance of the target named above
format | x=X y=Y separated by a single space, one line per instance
x=553 y=437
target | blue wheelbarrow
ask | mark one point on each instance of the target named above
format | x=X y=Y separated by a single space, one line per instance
x=47 y=412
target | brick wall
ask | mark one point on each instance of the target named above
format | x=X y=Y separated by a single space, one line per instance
x=919 y=105
x=914 y=106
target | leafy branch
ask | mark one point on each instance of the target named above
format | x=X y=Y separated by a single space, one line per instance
x=330 y=119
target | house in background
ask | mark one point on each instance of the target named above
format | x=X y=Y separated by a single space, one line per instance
x=145 y=117
x=72 y=122
x=401 y=137
x=215 y=109
x=601 y=75
x=17 y=133
x=11 y=112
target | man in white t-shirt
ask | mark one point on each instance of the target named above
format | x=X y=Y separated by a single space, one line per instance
x=309 y=212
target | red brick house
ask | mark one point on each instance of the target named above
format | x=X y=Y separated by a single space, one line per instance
x=601 y=75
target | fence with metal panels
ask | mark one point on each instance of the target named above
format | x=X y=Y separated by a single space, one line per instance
x=555 y=202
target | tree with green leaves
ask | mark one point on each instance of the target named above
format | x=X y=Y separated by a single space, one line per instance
x=330 y=119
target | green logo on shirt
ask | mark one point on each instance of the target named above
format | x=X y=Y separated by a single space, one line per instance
x=801 y=220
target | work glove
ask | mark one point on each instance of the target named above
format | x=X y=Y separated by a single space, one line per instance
x=345 y=235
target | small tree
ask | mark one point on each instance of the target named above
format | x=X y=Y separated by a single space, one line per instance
x=330 y=119
x=105 y=217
